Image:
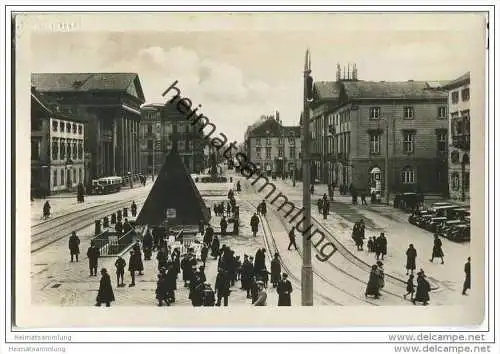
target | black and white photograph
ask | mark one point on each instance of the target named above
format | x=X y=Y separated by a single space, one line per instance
x=312 y=162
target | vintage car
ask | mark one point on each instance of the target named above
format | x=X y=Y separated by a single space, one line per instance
x=433 y=223
x=459 y=232
x=444 y=227
x=407 y=201
x=459 y=213
x=443 y=210
x=417 y=217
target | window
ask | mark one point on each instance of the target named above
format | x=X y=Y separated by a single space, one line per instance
x=280 y=152
x=150 y=144
x=442 y=141
x=257 y=141
x=74 y=176
x=62 y=177
x=61 y=127
x=408 y=113
x=455 y=181
x=150 y=128
x=268 y=152
x=375 y=143
x=80 y=129
x=68 y=149
x=292 y=152
x=55 y=149
x=408 y=142
x=466 y=181
x=80 y=175
x=374 y=112
x=465 y=94
x=54 y=178
x=454 y=97
x=80 y=150
x=268 y=141
x=280 y=141
x=442 y=112
x=55 y=124
x=63 y=149
x=74 y=151
x=407 y=175
x=291 y=140
x=74 y=128
x=35 y=149
x=68 y=127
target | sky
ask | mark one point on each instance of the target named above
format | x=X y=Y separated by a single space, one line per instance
x=239 y=73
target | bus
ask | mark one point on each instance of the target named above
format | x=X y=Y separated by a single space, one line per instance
x=107 y=185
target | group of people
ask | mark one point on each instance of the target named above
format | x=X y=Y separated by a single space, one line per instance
x=377 y=245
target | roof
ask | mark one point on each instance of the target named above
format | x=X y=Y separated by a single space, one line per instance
x=397 y=89
x=38 y=101
x=327 y=89
x=292 y=129
x=48 y=106
x=88 y=82
x=459 y=81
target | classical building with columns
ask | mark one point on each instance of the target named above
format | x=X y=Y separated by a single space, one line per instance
x=109 y=105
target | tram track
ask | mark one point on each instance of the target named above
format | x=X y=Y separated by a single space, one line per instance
x=63 y=225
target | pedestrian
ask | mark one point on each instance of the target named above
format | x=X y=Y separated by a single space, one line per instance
x=382 y=244
x=132 y=267
x=381 y=274
x=120 y=271
x=161 y=290
x=147 y=245
x=204 y=253
x=215 y=247
x=93 y=255
x=372 y=288
x=291 y=236
x=411 y=255
x=363 y=198
x=238 y=186
x=222 y=286
x=46 y=210
x=326 y=208
x=275 y=270
x=138 y=258
x=437 y=251
x=228 y=209
x=223 y=226
x=320 y=205
x=74 y=246
x=410 y=287
x=467 y=277
x=133 y=209
x=263 y=208
x=186 y=270
x=79 y=193
x=312 y=189
x=254 y=223
x=284 y=290
x=262 y=295
x=171 y=283
x=126 y=226
x=246 y=275
x=254 y=289
x=161 y=257
x=370 y=244
x=119 y=227
x=105 y=293
x=423 y=289
x=209 y=235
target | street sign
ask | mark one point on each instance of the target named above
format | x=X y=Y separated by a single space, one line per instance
x=171 y=213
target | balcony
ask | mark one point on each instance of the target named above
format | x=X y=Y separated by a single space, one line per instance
x=461 y=141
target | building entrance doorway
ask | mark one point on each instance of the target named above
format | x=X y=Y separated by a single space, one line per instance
x=375 y=180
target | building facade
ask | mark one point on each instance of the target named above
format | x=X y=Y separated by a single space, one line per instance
x=57 y=150
x=365 y=122
x=273 y=147
x=109 y=105
x=459 y=139
x=164 y=126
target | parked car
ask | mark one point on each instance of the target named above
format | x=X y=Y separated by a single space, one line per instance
x=407 y=201
x=417 y=217
x=433 y=223
x=459 y=213
x=459 y=232
x=444 y=210
x=447 y=225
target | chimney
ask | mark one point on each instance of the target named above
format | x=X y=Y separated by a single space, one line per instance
x=278 y=117
x=348 y=71
x=338 y=72
x=355 y=73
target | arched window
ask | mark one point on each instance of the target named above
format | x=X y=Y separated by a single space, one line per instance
x=466 y=159
x=55 y=149
x=455 y=181
x=408 y=175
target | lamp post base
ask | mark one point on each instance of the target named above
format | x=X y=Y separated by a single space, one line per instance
x=307 y=285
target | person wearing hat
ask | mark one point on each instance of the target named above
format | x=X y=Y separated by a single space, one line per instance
x=254 y=223
x=423 y=289
x=93 y=255
x=275 y=270
x=373 y=286
x=284 y=290
x=209 y=235
x=132 y=267
x=467 y=277
x=380 y=274
x=74 y=246
x=437 y=250
x=105 y=293
x=247 y=275
x=411 y=255
x=120 y=270
x=262 y=295
x=291 y=236
x=222 y=286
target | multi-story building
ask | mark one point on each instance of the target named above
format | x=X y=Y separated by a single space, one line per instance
x=57 y=158
x=163 y=126
x=109 y=105
x=273 y=147
x=459 y=137
x=356 y=124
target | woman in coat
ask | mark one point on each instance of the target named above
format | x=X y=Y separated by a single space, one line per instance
x=105 y=293
x=161 y=290
x=74 y=246
x=411 y=255
x=372 y=288
x=215 y=247
x=275 y=270
x=423 y=288
x=437 y=251
x=138 y=258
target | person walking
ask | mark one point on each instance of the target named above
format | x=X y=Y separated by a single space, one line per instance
x=93 y=255
x=209 y=235
x=223 y=226
x=320 y=205
x=246 y=276
x=263 y=208
x=222 y=286
x=139 y=266
x=423 y=289
x=105 y=293
x=46 y=210
x=373 y=288
x=120 y=271
x=161 y=289
x=215 y=247
x=147 y=245
x=284 y=290
x=262 y=295
x=132 y=267
x=411 y=255
x=254 y=223
x=291 y=236
x=382 y=245
x=410 y=287
x=467 y=277
x=275 y=270
x=204 y=253
x=133 y=209
x=437 y=250
x=74 y=246
x=326 y=207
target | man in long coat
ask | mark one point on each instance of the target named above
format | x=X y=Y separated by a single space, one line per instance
x=138 y=258
x=209 y=235
x=373 y=286
x=222 y=286
x=215 y=247
x=254 y=223
x=246 y=275
x=93 y=254
x=275 y=270
x=147 y=245
x=437 y=250
x=132 y=267
x=105 y=293
x=291 y=237
x=411 y=255
x=74 y=246
x=284 y=291
x=467 y=277
x=133 y=209
x=223 y=226
x=423 y=288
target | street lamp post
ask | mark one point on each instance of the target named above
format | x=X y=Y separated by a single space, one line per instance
x=307 y=275
x=386 y=157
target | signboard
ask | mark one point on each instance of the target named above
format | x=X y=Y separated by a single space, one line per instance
x=171 y=213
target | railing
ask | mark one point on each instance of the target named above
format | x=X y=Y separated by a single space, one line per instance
x=110 y=244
